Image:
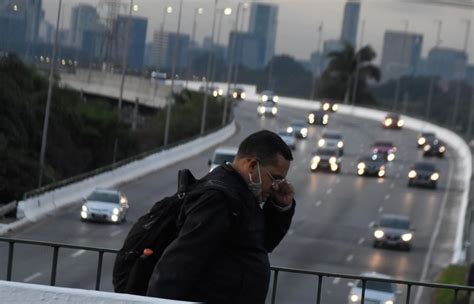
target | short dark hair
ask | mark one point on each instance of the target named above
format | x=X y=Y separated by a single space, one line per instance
x=264 y=145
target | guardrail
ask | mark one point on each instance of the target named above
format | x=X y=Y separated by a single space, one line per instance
x=7 y=208
x=320 y=276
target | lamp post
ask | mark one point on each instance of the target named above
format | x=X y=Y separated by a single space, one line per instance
x=44 y=138
x=173 y=76
x=208 y=72
x=358 y=59
x=166 y=10
x=318 y=65
x=239 y=47
x=430 y=89
x=222 y=12
x=197 y=11
x=402 y=57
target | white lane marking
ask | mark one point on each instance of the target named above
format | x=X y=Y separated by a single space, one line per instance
x=361 y=240
x=371 y=224
x=392 y=185
x=336 y=280
x=291 y=231
x=380 y=209
x=32 y=277
x=338 y=180
x=77 y=253
x=318 y=203
x=350 y=258
x=387 y=197
x=434 y=236
x=116 y=232
x=329 y=191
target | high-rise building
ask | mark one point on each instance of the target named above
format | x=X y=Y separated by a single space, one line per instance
x=447 y=63
x=163 y=50
x=263 y=24
x=401 y=53
x=84 y=17
x=246 y=47
x=350 y=22
x=131 y=35
x=329 y=46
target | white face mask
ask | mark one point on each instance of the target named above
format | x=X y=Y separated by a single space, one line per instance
x=256 y=187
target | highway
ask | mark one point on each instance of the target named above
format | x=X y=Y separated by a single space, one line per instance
x=330 y=231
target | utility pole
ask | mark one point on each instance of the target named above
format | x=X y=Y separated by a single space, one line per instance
x=402 y=57
x=431 y=87
x=197 y=11
x=358 y=59
x=318 y=65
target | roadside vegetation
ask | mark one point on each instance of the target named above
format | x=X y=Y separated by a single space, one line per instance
x=81 y=132
x=456 y=275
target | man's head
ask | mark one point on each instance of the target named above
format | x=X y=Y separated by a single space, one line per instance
x=263 y=157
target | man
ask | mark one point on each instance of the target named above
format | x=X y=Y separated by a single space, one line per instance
x=221 y=252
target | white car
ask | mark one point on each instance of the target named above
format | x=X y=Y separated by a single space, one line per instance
x=105 y=205
x=289 y=138
x=376 y=292
x=269 y=96
x=268 y=108
x=332 y=139
x=221 y=156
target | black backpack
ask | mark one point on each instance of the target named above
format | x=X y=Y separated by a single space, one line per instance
x=153 y=232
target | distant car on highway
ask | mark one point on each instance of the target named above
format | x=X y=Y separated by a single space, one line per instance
x=214 y=90
x=376 y=292
x=268 y=108
x=423 y=174
x=326 y=159
x=332 y=139
x=105 y=205
x=424 y=137
x=318 y=117
x=221 y=156
x=384 y=147
x=289 y=138
x=300 y=129
x=329 y=106
x=371 y=165
x=434 y=147
x=393 y=230
x=239 y=93
x=269 y=96
x=393 y=121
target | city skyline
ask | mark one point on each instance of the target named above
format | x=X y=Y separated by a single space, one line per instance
x=420 y=16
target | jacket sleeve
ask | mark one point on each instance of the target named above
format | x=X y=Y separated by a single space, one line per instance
x=277 y=223
x=205 y=226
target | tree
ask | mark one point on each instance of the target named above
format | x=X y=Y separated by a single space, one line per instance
x=339 y=77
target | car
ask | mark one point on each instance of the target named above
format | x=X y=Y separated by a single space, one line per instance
x=424 y=137
x=384 y=147
x=212 y=90
x=332 y=139
x=300 y=129
x=221 y=156
x=326 y=159
x=393 y=121
x=269 y=96
x=318 y=117
x=289 y=138
x=423 y=174
x=434 y=147
x=239 y=93
x=329 y=106
x=393 y=230
x=376 y=292
x=371 y=165
x=267 y=108
x=105 y=205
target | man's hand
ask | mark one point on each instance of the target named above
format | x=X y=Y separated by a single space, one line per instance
x=282 y=192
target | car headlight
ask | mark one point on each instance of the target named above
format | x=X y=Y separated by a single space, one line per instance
x=427 y=148
x=276 y=99
x=421 y=141
x=116 y=211
x=407 y=237
x=214 y=93
x=84 y=208
x=289 y=129
x=325 y=117
x=412 y=174
x=381 y=172
x=334 y=167
x=220 y=92
x=400 y=123
x=340 y=144
x=274 y=110
x=316 y=159
x=83 y=214
x=379 y=234
x=335 y=107
x=264 y=98
x=114 y=218
x=304 y=132
x=434 y=176
x=243 y=95
x=325 y=106
x=388 y=302
x=361 y=166
x=332 y=160
x=321 y=142
x=234 y=94
x=354 y=298
x=388 y=122
x=311 y=116
x=391 y=157
x=261 y=110
x=442 y=149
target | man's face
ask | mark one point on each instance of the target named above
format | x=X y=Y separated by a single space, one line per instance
x=271 y=174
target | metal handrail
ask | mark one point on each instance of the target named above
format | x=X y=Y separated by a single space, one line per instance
x=276 y=270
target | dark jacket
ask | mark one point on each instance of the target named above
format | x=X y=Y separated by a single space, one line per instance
x=221 y=253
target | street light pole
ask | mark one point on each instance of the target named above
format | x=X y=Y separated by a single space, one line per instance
x=166 y=10
x=239 y=46
x=48 y=100
x=358 y=59
x=173 y=76
x=460 y=80
x=402 y=57
x=431 y=87
x=190 y=52
x=208 y=72
x=223 y=12
x=318 y=65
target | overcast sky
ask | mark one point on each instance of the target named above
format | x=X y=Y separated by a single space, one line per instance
x=298 y=21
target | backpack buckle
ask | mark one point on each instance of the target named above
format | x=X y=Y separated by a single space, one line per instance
x=181 y=195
